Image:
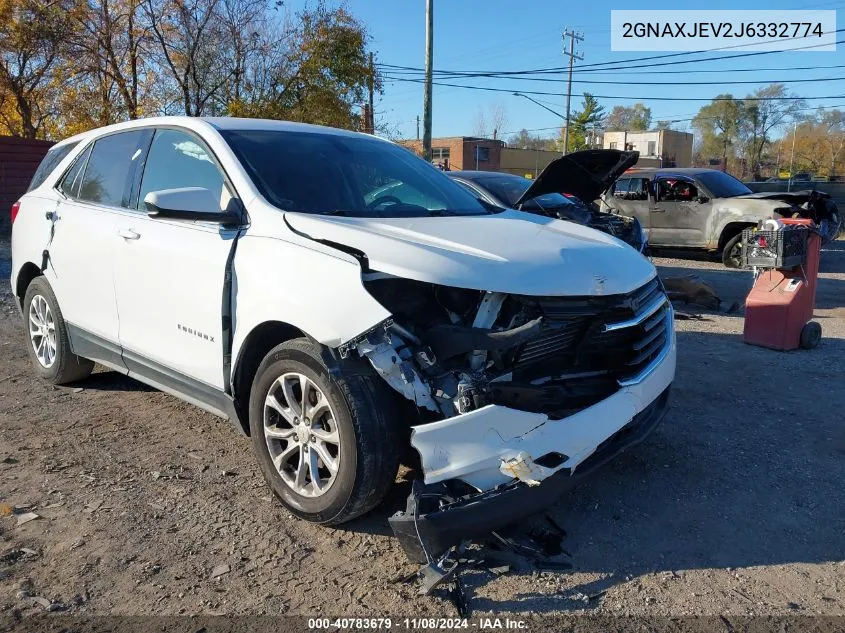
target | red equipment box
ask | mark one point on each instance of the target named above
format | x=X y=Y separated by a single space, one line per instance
x=779 y=308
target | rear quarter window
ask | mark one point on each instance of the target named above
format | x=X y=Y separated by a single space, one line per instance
x=49 y=163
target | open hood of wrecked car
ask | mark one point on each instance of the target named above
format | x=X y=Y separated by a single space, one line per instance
x=586 y=174
x=795 y=197
x=511 y=252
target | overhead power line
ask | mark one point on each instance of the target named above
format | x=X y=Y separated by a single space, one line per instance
x=614 y=65
x=637 y=98
x=676 y=83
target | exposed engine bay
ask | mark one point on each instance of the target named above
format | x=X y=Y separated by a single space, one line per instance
x=453 y=350
x=815 y=205
x=456 y=353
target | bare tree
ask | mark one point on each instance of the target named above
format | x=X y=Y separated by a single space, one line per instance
x=114 y=45
x=498 y=119
x=765 y=110
x=479 y=127
x=189 y=35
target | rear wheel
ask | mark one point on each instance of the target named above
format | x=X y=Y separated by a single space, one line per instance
x=47 y=338
x=811 y=334
x=732 y=252
x=325 y=440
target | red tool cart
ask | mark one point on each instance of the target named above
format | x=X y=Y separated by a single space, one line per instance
x=779 y=308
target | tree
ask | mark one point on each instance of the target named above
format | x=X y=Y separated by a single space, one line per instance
x=525 y=140
x=479 y=126
x=112 y=48
x=498 y=119
x=69 y=65
x=765 y=110
x=490 y=123
x=663 y=125
x=34 y=38
x=819 y=143
x=319 y=70
x=719 y=124
x=832 y=123
x=188 y=36
x=589 y=118
x=635 y=118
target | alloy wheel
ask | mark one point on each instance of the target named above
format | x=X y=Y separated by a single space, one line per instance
x=42 y=331
x=301 y=433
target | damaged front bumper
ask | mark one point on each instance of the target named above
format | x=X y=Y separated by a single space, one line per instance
x=519 y=462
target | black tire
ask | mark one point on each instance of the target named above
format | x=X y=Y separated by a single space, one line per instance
x=811 y=334
x=369 y=432
x=66 y=366
x=732 y=252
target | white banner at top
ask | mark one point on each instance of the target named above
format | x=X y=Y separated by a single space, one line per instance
x=728 y=31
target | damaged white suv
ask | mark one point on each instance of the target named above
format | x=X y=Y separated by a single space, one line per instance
x=339 y=299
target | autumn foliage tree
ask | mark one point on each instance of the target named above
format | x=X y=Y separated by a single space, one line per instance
x=71 y=65
x=34 y=43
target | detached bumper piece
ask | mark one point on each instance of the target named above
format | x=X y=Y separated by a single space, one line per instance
x=439 y=517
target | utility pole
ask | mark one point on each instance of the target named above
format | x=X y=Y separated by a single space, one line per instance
x=429 y=56
x=792 y=158
x=573 y=37
x=418 y=127
x=371 y=121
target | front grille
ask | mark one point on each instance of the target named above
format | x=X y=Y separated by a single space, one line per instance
x=615 y=336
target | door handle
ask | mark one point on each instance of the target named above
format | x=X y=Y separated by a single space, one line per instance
x=658 y=210
x=128 y=234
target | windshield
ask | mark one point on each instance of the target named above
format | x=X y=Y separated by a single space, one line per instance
x=722 y=185
x=346 y=175
x=509 y=188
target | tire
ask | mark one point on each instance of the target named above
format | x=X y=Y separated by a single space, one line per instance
x=811 y=334
x=353 y=406
x=42 y=315
x=732 y=252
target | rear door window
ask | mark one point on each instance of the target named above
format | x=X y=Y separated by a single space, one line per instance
x=111 y=166
x=69 y=184
x=49 y=163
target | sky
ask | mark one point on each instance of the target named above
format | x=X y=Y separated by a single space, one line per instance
x=504 y=35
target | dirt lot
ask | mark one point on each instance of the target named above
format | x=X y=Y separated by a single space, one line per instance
x=735 y=505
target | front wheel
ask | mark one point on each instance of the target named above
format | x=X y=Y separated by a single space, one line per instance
x=732 y=253
x=325 y=440
x=47 y=337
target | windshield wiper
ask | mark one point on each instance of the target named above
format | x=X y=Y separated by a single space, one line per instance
x=334 y=212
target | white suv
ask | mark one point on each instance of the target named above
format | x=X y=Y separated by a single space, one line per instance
x=339 y=299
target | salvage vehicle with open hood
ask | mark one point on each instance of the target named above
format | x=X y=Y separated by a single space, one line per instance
x=246 y=267
x=694 y=208
x=566 y=189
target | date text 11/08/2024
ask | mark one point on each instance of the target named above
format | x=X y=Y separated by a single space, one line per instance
x=416 y=623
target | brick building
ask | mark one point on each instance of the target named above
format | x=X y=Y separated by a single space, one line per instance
x=462 y=152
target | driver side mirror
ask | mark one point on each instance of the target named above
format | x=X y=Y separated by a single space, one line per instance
x=187 y=203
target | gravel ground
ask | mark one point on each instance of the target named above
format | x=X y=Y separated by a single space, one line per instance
x=150 y=506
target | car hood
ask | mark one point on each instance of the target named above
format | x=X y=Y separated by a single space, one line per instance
x=586 y=174
x=794 y=197
x=512 y=252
